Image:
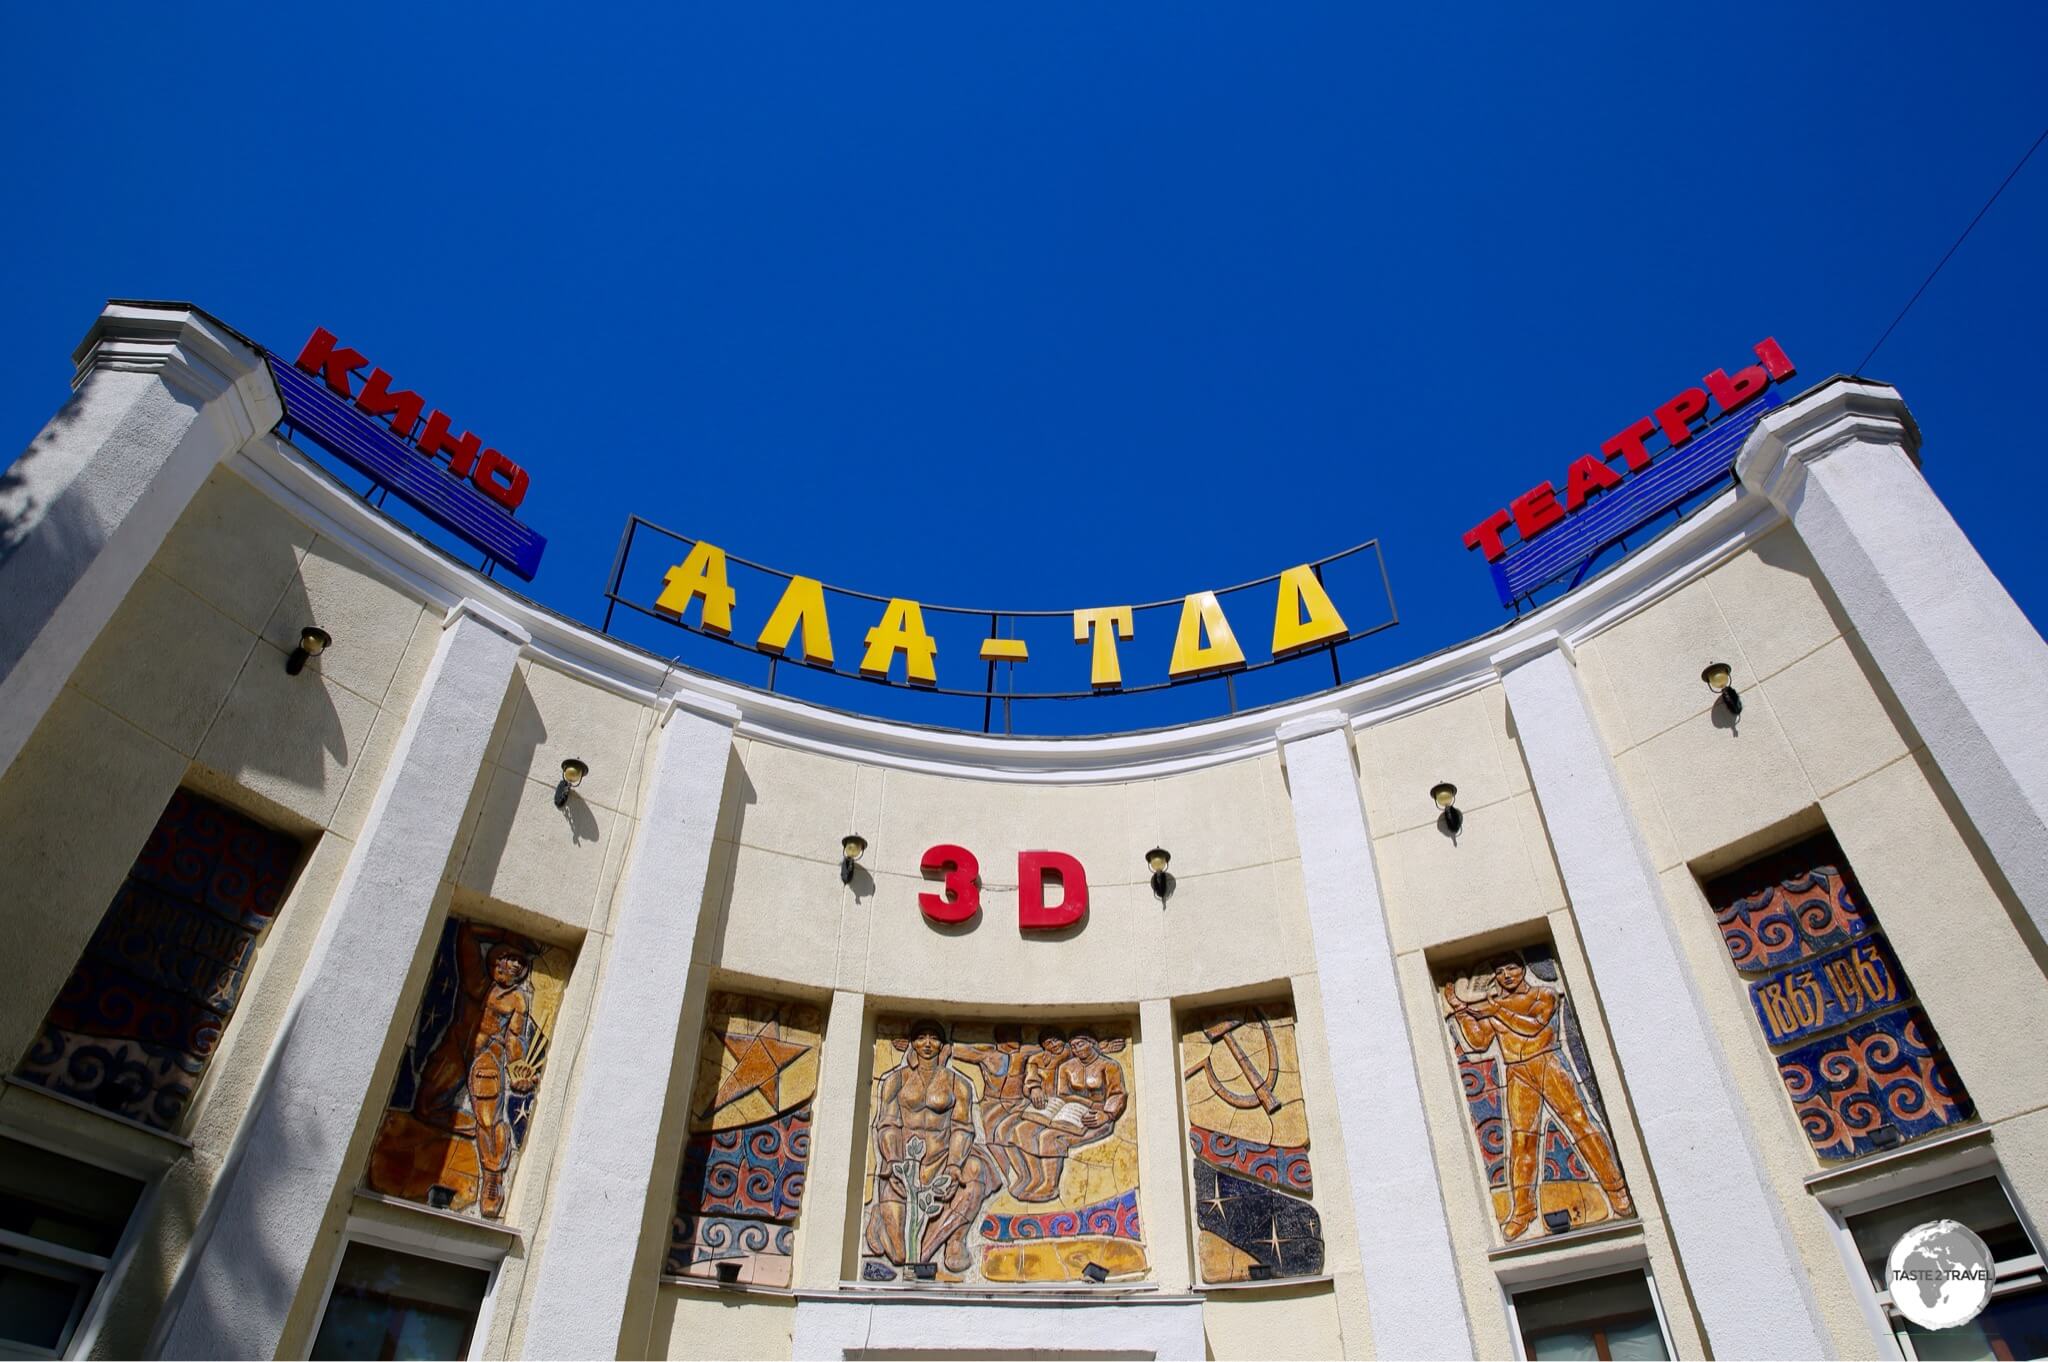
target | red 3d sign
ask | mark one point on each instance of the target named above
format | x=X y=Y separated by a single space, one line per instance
x=496 y=476
x=959 y=898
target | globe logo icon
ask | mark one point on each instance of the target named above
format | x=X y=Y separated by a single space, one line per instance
x=1940 y=1274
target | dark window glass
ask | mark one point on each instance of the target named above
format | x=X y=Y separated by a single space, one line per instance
x=2015 y=1323
x=76 y=1211
x=1601 y=1317
x=386 y=1304
x=137 y=1022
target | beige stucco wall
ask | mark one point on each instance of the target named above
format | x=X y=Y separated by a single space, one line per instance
x=188 y=685
x=1820 y=743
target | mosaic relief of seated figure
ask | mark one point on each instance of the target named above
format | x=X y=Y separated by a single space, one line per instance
x=931 y=1174
x=1073 y=1095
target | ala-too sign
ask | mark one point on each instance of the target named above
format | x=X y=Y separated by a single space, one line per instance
x=699 y=593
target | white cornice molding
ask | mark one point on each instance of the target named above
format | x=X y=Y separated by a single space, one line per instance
x=192 y=352
x=1528 y=649
x=1845 y=411
x=1681 y=555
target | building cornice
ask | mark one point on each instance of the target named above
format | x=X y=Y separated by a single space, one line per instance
x=193 y=353
x=1774 y=459
x=1681 y=555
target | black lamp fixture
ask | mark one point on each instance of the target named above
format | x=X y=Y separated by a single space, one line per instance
x=850 y=848
x=313 y=641
x=1158 y=858
x=573 y=772
x=1444 y=795
x=1095 y=1272
x=1716 y=676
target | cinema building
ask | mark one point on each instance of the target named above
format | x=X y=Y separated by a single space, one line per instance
x=402 y=969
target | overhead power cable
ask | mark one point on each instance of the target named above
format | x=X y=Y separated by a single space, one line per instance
x=1952 y=250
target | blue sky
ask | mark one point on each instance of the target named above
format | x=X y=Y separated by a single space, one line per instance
x=1056 y=307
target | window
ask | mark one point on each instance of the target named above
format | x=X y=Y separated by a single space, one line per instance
x=60 y=1221
x=137 y=1022
x=2015 y=1323
x=386 y=1304
x=1613 y=1316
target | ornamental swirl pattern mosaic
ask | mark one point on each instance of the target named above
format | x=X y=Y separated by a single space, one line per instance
x=463 y=1100
x=1858 y=1057
x=1248 y=1128
x=1001 y=1153
x=137 y=1022
x=749 y=1146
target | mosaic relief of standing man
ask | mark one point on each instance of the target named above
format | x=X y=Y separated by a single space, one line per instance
x=931 y=1174
x=1520 y=1019
x=464 y=1092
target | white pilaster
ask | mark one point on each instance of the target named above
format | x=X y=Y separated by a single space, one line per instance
x=1747 y=1280
x=1162 y=1147
x=162 y=394
x=594 y=1229
x=1404 y=1237
x=1968 y=668
x=245 y=1265
x=828 y=1180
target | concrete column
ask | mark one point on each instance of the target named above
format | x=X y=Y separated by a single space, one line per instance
x=1967 y=667
x=829 y=1181
x=287 y=1162
x=1747 y=1280
x=586 y=1267
x=1404 y=1237
x=162 y=394
x=1162 y=1147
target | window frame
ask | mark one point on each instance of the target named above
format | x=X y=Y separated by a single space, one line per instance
x=1942 y=1169
x=81 y=1147
x=1608 y=1261
x=418 y=1241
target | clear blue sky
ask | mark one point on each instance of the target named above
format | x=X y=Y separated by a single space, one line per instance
x=1052 y=307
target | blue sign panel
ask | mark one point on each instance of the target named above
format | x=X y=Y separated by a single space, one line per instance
x=371 y=448
x=1810 y=998
x=1570 y=548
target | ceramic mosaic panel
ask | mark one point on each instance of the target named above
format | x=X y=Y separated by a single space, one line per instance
x=137 y=1022
x=749 y=1146
x=1248 y=1130
x=1539 y=1127
x=462 y=1104
x=1862 y=1064
x=1001 y=1152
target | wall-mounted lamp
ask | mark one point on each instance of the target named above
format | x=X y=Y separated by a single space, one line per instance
x=1445 y=796
x=573 y=772
x=1157 y=858
x=1716 y=676
x=1095 y=1272
x=313 y=641
x=850 y=848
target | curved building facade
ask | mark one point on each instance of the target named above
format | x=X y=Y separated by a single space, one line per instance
x=343 y=1024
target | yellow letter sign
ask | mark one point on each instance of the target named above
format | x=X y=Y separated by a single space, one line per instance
x=1106 y=624
x=901 y=631
x=1292 y=634
x=803 y=600
x=1201 y=614
x=700 y=575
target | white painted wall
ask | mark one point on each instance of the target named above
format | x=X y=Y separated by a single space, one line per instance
x=1747 y=1281
x=245 y=1269
x=163 y=393
x=1956 y=649
x=578 y=1297
x=1404 y=1243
